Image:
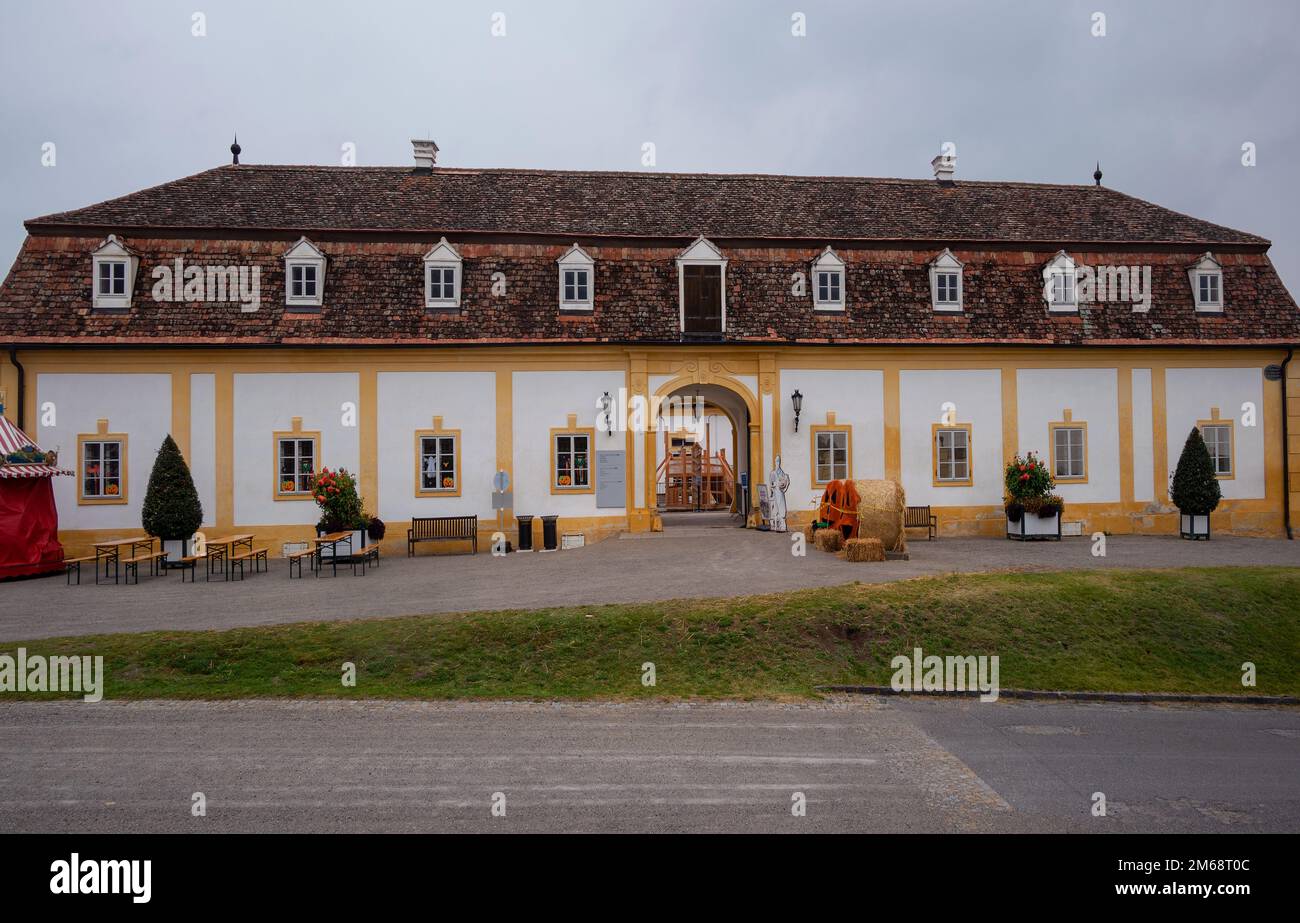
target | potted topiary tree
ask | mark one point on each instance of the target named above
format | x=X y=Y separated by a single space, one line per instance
x=1194 y=488
x=1032 y=510
x=171 y=511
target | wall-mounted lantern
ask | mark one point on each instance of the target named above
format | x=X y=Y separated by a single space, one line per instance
x=606 y=404
x=797 y=400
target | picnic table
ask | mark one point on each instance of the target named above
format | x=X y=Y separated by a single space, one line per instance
x=219 y=551
x=333 y=540
x=110 y=552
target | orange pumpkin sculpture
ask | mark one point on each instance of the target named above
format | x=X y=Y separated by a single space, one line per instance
x=839 y=507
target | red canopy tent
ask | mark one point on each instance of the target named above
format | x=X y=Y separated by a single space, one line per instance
x=29 y=522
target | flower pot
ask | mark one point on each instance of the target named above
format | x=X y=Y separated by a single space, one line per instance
x=1029 y=528
x=1193 y=526
x=176 y=549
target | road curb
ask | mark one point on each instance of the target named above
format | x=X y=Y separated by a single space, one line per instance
x=1064 y=696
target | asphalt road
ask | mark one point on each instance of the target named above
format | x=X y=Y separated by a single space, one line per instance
x=870 y=765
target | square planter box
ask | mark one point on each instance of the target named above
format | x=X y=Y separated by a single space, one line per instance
x=1194 y=527
x=176 y=549
x=1035 y=528
x=358 y=542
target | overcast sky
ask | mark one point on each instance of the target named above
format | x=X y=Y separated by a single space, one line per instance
x=1165 y=100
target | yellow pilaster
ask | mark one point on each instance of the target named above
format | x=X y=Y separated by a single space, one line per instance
x=893 y=428
x=225 y=445
x=368 y=436
x=1124 y=390
x=1159 y=434
x=1010 y=415
x=181 y=412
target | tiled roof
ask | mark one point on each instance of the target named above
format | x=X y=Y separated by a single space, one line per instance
x=588 y=204
x=373 y=294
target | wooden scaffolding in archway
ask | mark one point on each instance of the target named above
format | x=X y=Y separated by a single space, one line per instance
x=691 y=477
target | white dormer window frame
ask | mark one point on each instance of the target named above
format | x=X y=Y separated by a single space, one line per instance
x=828 y=282
x=304 y=275
x=1206 y=277
x=947 y=287
x=442 y=277
x=1061 y=284
x=577 y=280
x=701 y=252
x=113 y=269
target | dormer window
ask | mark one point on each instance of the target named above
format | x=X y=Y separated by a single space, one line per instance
x=946 y=282
x=1206 y=276
x=114 y=265
x=442 y=275
x=828 y=282
x=1060 y=288
x=702 y=290
x=577 y=288
x=304 y=276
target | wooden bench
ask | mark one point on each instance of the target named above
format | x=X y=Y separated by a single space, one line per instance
x=442 y=529
x=255 y=555
x=71 y=564
x=188 y=563
x=132 y=565
x=368 y=555
x=297 y=556
x=920 y=517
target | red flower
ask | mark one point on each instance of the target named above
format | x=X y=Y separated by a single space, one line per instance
x=1024 y=477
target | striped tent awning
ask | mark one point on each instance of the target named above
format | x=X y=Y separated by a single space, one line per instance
x=12 y=439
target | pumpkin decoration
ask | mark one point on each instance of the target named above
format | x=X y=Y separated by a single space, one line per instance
x=564 y=480
x=111 y=490
x=286 y=486
x=448 y=482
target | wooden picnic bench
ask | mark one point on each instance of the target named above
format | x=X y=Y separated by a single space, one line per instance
x=132 y=565
x=74 y=564
x=256 y=555
x=110 y=552
x=920 y=517
x=442 y=529
x=295 y=557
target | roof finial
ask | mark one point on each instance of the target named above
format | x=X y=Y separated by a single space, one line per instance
x=235 y=149
x=1096 y=176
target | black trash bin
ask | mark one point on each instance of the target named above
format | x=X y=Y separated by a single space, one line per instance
x=550 y=538
x=525 y=533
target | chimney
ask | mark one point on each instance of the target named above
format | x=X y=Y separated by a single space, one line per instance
x=426 y=154
x=943 y=166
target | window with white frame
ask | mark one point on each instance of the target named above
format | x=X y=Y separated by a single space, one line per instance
x=1060 y=284
x=832 y=455
x=576 y=269
x=101 y=470
x=296 y=457
x=438 y=468
x=1069 y=452
x=304 y=274
x=1218 y=439
x=952 y=455
x=828 y=282
x=946 y=282
x=442 y=276
x=114 y=267
x=571 y=460
x=1206 y=276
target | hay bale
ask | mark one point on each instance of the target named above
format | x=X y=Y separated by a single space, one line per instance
x=881 y=506
x=864 y=549
x=828 y=539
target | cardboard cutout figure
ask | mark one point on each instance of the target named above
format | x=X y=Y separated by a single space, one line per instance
x=777 y=484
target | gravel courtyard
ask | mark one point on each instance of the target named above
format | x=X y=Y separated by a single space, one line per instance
x=679 y=563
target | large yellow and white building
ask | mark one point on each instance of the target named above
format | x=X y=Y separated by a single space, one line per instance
x=426 y=327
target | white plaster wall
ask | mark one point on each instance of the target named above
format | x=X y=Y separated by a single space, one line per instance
x=266 y=404
x=203 y=443
x=1092 y=396
x=1144 y=490
x=977 y=394
x=139 y=405
x=408 y=401
x=542 y=401
x=857 y=398
x=1189 y=395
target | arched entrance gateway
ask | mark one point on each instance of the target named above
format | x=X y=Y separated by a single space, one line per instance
x=706 y=450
